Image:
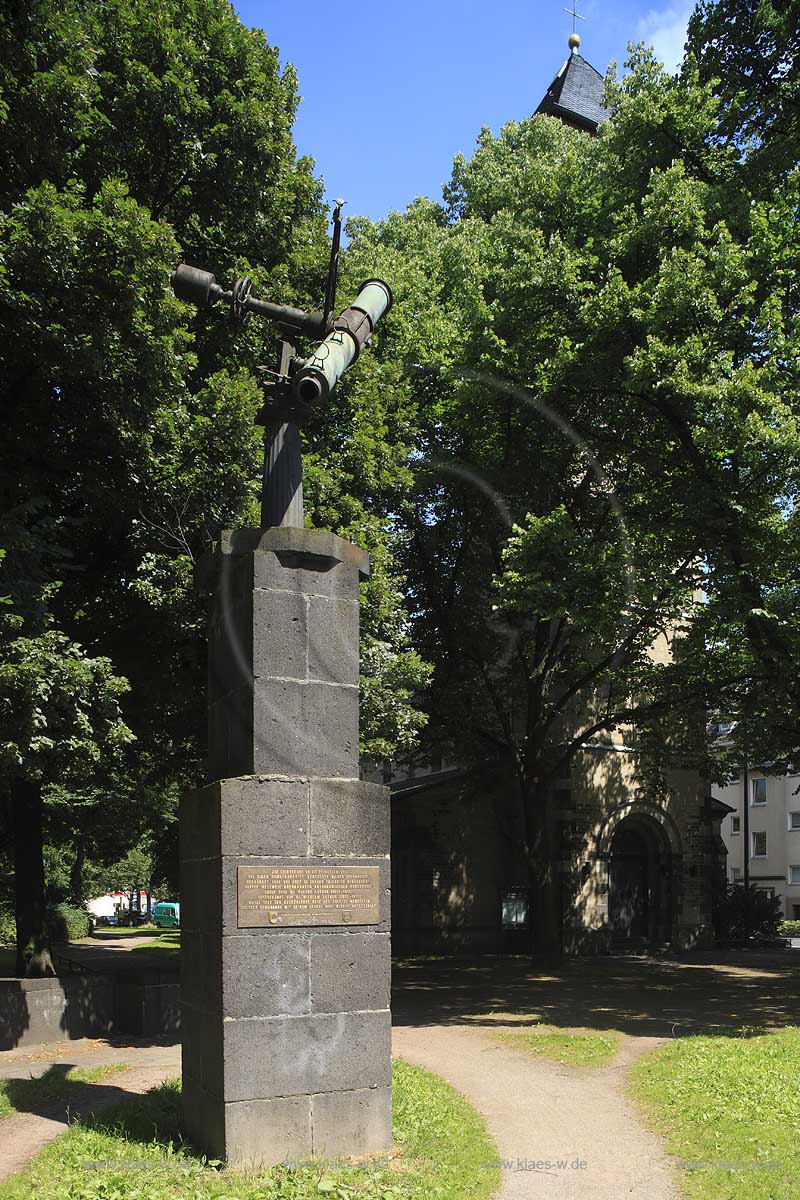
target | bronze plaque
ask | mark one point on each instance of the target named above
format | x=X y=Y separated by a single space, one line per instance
x=307 y=895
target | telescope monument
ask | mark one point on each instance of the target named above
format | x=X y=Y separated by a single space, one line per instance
x=285 y=914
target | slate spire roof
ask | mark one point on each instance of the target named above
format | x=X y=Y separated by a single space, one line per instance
x=576 y=95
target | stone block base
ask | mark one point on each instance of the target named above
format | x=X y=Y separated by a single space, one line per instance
x=286 y=1030
x=252 y=1134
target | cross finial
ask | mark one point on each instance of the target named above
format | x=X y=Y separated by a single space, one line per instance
x=574 y=37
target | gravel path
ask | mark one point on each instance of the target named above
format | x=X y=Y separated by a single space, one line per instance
x=538 y=1111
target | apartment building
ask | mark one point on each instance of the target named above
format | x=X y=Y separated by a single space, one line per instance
x=768 y=834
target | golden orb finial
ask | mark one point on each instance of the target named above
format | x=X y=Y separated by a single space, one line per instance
x=574 y=37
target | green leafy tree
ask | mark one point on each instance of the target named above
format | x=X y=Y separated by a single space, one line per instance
x=750 y=51
x=59 y=719
x=748 y=914
x=136 y=137
x=168 y=136
x=132 y=874
x=601 y=339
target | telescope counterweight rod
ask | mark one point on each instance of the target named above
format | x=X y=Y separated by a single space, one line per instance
x=282 y=493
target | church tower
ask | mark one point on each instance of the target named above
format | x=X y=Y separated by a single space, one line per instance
x=576 y=94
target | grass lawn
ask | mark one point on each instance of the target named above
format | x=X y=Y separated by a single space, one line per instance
x=730 y=1110
x=167 y=945
x=442 y=1151
x=23 y=1095
x=569 y=1049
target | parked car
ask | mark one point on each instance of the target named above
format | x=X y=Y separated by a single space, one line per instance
x=167 y=915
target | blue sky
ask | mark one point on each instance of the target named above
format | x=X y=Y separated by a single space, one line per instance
x=392 y=91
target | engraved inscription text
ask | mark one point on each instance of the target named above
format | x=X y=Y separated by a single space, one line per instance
x=307 y=895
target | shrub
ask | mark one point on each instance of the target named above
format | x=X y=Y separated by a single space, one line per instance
x=8 y=926
x=67 y=923
x=747 y=912
x=789 y=929
x=64 y=922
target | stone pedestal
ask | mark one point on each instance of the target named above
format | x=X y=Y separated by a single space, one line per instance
x=285 y=956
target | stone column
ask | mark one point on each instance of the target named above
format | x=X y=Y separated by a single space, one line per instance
x=285 y=958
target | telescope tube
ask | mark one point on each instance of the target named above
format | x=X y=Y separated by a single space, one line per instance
x=316 y=378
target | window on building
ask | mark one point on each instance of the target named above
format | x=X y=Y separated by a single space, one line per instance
x=759 y=791
x=768 y=892
x=796 y=912
x=759 y=844
x=794 y=820
x=736 y=824
x=736 y=875
x=794 y=873
x=514 y=910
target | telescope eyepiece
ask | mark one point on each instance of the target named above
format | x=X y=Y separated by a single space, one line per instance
x=309 y=390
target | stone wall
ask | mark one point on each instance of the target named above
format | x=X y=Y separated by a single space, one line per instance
x=55 y=1010
x=456 y=848
x=453 y=855
x=65 y=1007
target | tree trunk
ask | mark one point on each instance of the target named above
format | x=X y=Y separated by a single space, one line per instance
x=33 y=937
x=76 y=872
x=545 y=913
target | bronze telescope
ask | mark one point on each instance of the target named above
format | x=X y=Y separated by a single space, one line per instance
x=300 y=386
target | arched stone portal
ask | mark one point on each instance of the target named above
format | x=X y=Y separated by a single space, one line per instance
x=641 y=859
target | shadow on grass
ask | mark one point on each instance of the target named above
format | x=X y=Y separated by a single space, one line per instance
x=55 y=1091
x=155 y=1118
x=710 y=993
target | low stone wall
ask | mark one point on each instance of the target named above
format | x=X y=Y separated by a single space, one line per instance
x=55 y=1009
x=59 y=1009
x=148 y=1004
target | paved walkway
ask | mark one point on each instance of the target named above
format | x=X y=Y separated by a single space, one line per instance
x=536 y=1110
